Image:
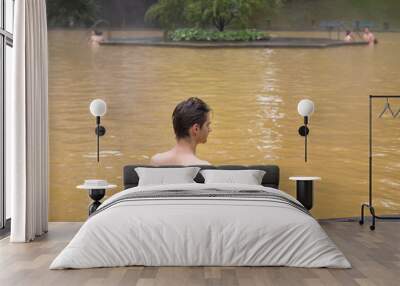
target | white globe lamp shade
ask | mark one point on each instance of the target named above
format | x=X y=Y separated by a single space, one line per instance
x=98 y=107
x=305 y=107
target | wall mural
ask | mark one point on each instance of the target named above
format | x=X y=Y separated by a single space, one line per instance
x=253 y=93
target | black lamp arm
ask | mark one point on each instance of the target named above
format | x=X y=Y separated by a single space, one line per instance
x=303 y=131
x=100 y=131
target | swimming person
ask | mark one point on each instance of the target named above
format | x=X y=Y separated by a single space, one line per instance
x=369 y=37
x=348 y=37
x=96 y=37
x=192 y=124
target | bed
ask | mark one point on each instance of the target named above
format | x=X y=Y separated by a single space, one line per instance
x=201 y=224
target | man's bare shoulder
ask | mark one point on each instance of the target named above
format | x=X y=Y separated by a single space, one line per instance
x=156 y=159
x=160 y=158
x=171 y=157
x=202 y=162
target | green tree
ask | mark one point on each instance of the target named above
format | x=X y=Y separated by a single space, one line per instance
x=72 y=12
x=202 y=13
x=166 y=13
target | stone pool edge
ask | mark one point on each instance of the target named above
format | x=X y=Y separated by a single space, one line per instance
x=272 y=43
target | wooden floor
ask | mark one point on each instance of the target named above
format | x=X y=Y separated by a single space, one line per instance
x=375 y=257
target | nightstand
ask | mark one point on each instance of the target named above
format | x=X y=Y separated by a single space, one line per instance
x=97 y=190
x=304 y=190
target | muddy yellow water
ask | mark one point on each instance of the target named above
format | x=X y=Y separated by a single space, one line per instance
x=253 y=94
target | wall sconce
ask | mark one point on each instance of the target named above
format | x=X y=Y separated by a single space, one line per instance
x=305 y=109
x=98 y=108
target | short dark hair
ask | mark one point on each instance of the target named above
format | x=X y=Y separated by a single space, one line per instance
x=187 y=113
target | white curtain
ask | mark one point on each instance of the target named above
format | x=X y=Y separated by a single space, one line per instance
x=27 y=123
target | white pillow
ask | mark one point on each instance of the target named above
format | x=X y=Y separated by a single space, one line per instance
x=248 y=177
x=164 y=176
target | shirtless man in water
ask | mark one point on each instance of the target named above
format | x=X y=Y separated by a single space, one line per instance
x=96 y=38
x=192 y=124
x=368 y=36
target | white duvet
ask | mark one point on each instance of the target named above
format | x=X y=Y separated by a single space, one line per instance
x=200 y=231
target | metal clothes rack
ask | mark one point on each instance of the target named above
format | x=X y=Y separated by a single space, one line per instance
x=370 y=205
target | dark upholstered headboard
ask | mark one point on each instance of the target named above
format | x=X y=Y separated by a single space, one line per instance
x=270 y=179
